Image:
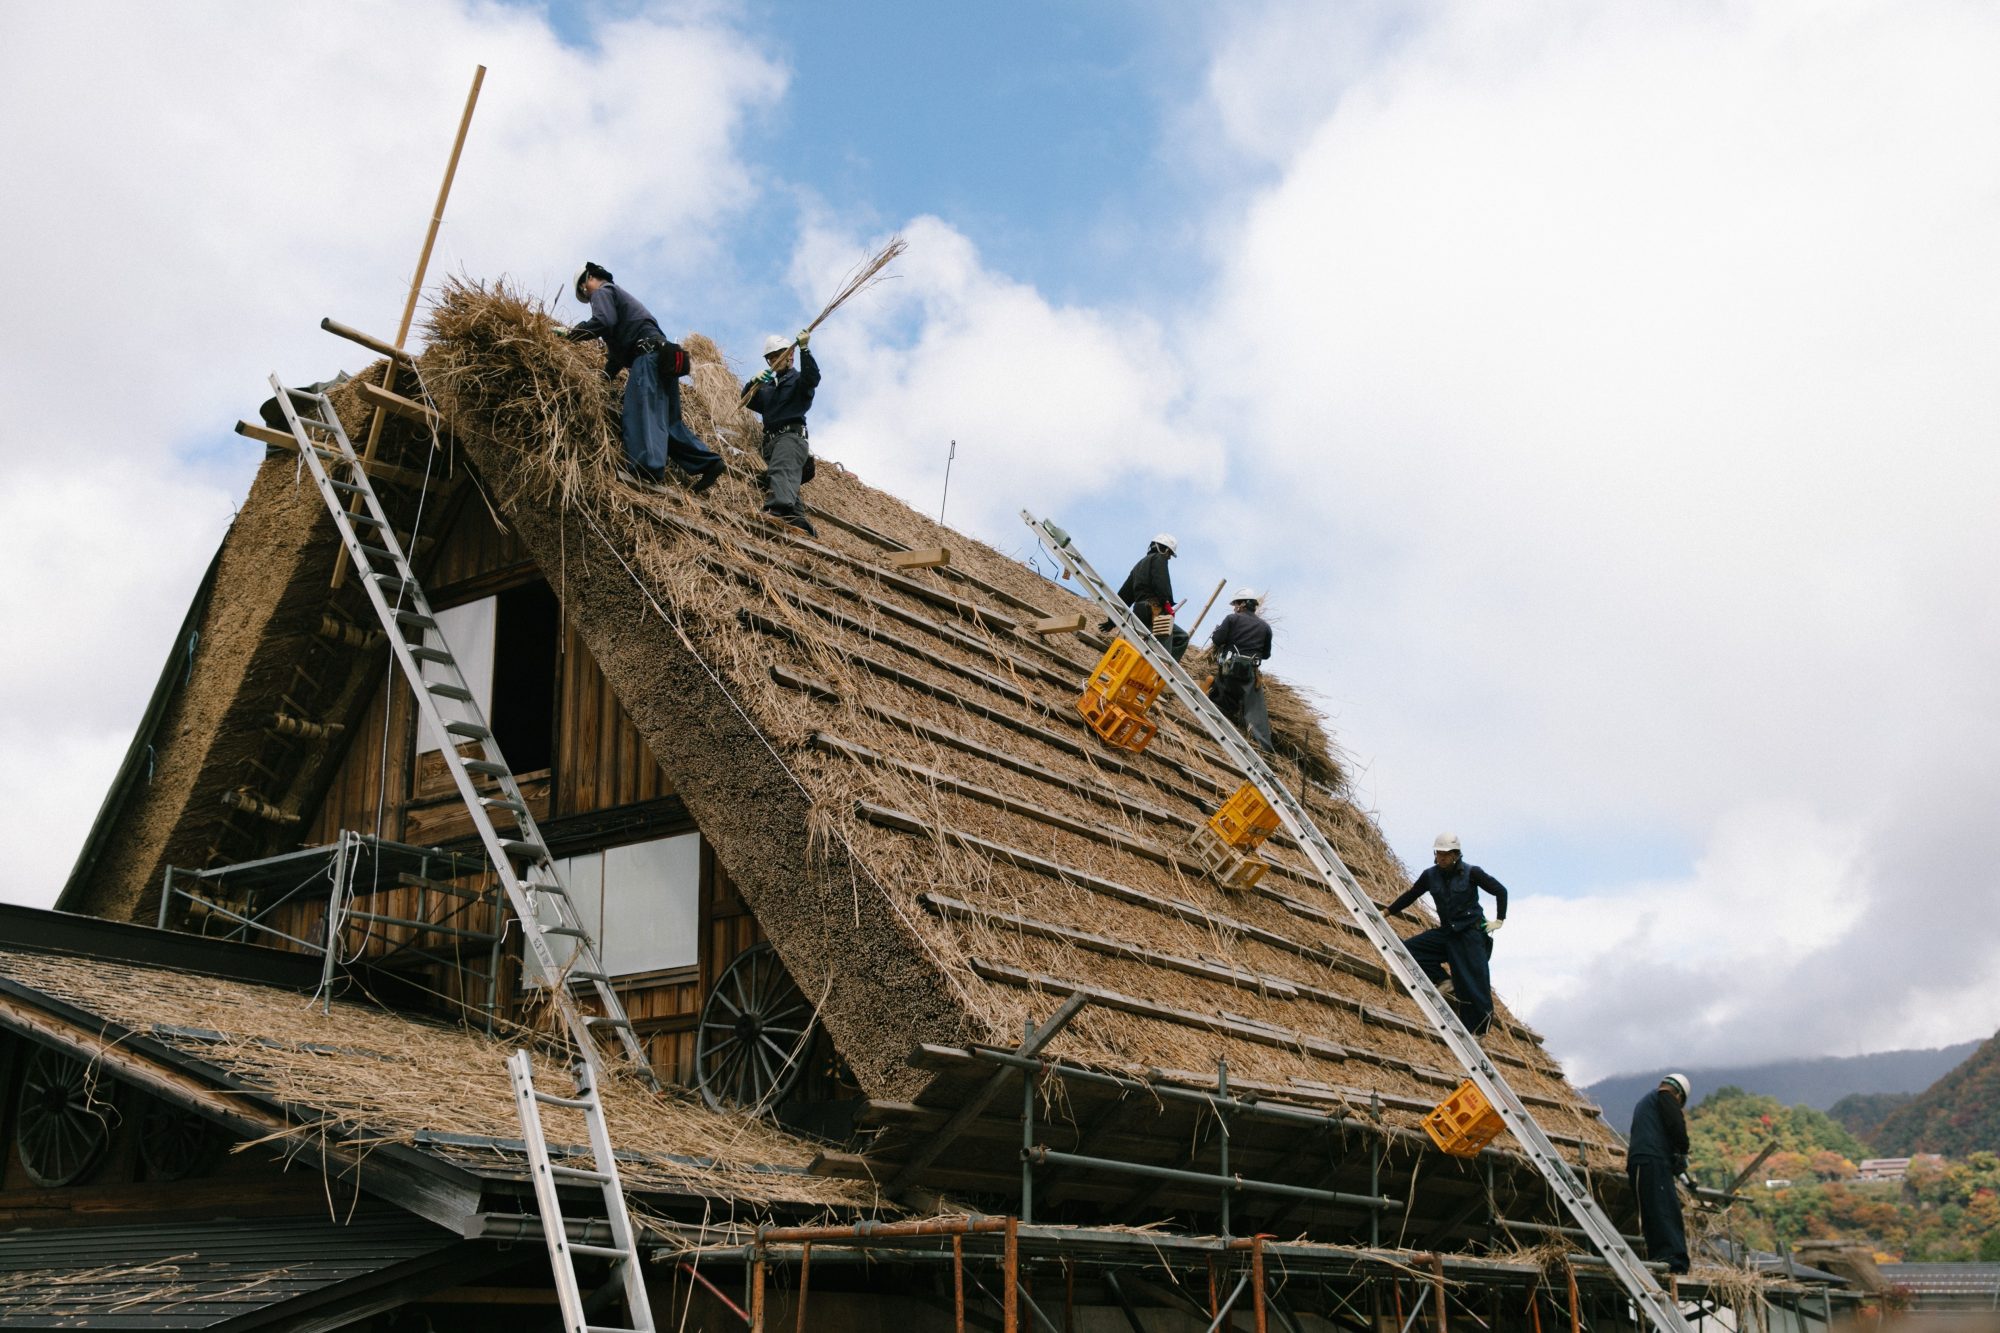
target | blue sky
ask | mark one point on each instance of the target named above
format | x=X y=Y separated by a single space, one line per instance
x=1602 y=393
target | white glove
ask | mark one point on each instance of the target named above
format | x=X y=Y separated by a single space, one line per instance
x=1493 y=927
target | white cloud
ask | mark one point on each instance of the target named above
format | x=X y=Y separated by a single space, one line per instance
x=187 y=198
x=1632 y=366
x=1048 y=403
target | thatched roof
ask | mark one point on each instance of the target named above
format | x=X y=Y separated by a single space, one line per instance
x=892 y=768
x=888 y=764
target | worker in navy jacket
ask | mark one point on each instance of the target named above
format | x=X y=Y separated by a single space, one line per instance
x=1240 y=645
x=1655 y=1154
x=1149 y=591
x=653 y=429
x=1461 y=944
x=782 y=395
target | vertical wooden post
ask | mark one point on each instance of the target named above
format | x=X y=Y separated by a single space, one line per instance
x=958 y=1284
x=805 y=1280
x=1214 y=1301
x=416 y=289
x=757 y=1292
x=1437 y=1287
x=1010 y=1264
x=1575 y=1320
x=1257 y=1282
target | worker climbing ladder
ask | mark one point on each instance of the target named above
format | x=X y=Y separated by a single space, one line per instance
x=518 y=854
x=1658 y=1308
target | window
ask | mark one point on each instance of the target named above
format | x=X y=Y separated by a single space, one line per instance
x=506 y=648
x=640 y=902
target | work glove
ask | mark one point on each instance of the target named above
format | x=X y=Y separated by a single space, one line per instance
x=805 y=336
x=575 y=334
x=1493 y=927
x=768 y=377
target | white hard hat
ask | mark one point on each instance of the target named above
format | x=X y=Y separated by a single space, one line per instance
x=777 y=342
x=1680 y=1081
x=1445 y=842
x=1244 y=595
x=1166 y=539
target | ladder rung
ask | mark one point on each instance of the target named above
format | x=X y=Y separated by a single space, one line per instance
x=608 y=1328
x=444 y=689
x=573 y=1103
x=307 y=395
x=606 y=1020
x=391 y=582
x=579 y=1173
x=552 y=890
x=593 y=977
x=523 y=849
x=485 y=767
x=363 y=516
x=574 y=932
x=601 y=1251
x=503 y=803
x=387 y=557
x=415 y=620
x=347 y=486
x=472 y=731
x=424 y=654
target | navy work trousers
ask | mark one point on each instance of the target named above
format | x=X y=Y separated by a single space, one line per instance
x=1652 y=1181
x=654 y=431
x=1465 y=953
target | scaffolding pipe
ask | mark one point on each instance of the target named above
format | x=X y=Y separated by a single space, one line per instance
x=1050 y=1157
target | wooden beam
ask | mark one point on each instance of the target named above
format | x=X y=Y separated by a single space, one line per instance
x=381 y=471
x=1058 y=625
x=975 y=1106
x=931 y=557
x=388 y=401
x=375 y=345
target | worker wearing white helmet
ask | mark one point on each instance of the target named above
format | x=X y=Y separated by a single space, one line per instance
x=1655 y=1154
x=654 y=431
x=1149 y=591
x=1460 y=946
x=1241 y=644
x=782 y=395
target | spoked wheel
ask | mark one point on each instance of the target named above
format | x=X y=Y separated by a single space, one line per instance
x=756 y=1030
x=61 y=1127
x=175 y=1143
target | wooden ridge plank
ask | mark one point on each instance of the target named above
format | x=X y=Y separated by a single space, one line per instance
x=390 y=401
x=1262 y=983
x=931 y=557
x=1185 y=911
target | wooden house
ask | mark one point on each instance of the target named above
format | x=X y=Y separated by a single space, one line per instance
x=846 y=845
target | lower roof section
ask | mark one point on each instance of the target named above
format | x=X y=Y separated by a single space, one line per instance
x=224 y=1274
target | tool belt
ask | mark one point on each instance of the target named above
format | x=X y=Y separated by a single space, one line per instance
x=797 y=428
x=674 y=363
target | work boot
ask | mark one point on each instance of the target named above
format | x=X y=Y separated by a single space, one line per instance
x=709 y=475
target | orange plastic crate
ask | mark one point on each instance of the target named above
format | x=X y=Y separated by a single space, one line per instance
x=1464 y=1122
x=1115 y=725
x=1245 y=819
x=1125 y=678
x=1231 y=868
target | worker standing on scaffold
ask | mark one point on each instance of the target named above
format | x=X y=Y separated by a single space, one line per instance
x=1461 y=943
x=653 y=429
x=1655 y=1153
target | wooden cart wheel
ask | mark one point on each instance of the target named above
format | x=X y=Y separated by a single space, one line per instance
x=175 y=1143
x=756 y=1030
x=61 y=1129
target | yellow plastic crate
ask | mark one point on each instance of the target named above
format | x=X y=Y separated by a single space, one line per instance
x=1464 y=1122
x=1124 y=677
x=1245 y=819
x=1115 y=725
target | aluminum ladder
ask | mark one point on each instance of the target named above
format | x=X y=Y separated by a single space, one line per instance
x=1659 y=1309
x=623 y=1251
x=518 y=854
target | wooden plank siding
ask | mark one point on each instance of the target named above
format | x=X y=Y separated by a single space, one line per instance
x=600 y=763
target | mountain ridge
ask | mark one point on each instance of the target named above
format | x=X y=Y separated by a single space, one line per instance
x=1817 y=1082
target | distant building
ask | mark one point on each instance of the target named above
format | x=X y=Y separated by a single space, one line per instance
x=1932 y=1288
x=1891 y=1168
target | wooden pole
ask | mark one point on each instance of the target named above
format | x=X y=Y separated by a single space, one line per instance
x=1437 y=1285
x=1010 y=1269
x=805 y=1284
x=416 y=289
x=958 y=1284
x=1205 y=606
x=1257 y=1282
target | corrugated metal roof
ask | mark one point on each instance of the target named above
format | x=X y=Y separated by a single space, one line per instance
x=206 y=1275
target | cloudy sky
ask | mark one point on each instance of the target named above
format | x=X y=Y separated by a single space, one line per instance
x=1606 y=393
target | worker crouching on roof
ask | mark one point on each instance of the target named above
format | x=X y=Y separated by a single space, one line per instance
x=1656 y=1153
x=1149 y=591
x=1241 y=645
x=782 y=395
x=653 y=429
x=1461 y=944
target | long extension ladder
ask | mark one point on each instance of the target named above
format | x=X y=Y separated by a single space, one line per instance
x=622 y=1252
x=518 y=854
x=1651 y=1299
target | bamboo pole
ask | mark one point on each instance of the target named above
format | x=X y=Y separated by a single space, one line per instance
x=416 y=289
x=1205 y=607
